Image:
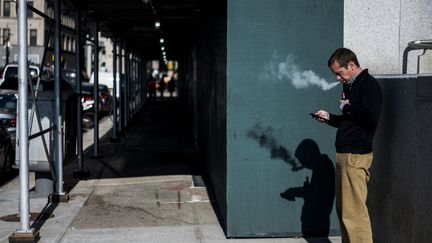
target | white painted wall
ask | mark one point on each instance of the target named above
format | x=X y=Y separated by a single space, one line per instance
x=379 y=31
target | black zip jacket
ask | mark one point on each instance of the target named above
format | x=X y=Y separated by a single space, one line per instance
x=359 y=119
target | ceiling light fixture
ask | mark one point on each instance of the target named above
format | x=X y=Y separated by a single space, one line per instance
x=157 y=24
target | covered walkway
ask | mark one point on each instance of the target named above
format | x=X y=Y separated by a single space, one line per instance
x=156 y=142
x=146 y=188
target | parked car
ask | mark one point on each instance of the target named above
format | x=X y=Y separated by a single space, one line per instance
x=9 y=79
x=8 y=122
x=106 y=99
x=8 y=109
x=69 y=76
x=11 y=71
x=6 y=151
x=87 y=101
x=106 y=78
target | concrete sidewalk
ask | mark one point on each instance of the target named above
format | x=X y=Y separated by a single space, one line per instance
x=143 y=189
x=138 y=209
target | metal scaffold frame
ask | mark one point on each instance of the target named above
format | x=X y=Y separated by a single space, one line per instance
x=130 y=100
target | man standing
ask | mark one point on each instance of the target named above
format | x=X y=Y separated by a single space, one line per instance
x=360 y=106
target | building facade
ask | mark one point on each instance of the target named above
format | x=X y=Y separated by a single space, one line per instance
x=379 y=32
x=39 y=31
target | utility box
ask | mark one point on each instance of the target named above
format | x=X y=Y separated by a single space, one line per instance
x=38 y=160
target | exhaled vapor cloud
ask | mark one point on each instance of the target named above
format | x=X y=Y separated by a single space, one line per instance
x=280 y=70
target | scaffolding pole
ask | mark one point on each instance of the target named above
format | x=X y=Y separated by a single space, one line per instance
x=59 y=195
x=96 y=91
x=24 y=233
x=126 y=89
x=140 y=78
x=121 y=89
x=134 y=87
x=23 y=117
x=80 y=172
x=78 y=89
x=114 y=137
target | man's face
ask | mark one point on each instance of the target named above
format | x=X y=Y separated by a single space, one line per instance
x=343 y=74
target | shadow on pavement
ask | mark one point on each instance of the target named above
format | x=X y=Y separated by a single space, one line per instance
x=157 y=142
x=4 y=179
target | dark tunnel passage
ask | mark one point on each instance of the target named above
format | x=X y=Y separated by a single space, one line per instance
x=158 y=141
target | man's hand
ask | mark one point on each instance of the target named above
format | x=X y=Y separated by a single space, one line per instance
x=323 y=116
x=342 y=103
x=288 y=194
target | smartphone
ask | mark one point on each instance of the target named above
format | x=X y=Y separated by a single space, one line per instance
x=316 y=116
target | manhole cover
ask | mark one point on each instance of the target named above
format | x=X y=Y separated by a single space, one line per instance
x=33 y=217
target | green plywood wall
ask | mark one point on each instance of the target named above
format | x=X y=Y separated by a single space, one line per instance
x=211 y=96
x=277 y=73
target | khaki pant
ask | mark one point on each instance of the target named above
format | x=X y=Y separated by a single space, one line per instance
x=352 y=175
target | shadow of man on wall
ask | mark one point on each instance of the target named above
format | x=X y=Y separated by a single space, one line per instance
x=318 y=193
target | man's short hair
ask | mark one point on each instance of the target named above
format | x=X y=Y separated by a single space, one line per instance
x=343 y=56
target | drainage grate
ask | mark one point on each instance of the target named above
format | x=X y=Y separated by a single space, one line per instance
x=33 y=217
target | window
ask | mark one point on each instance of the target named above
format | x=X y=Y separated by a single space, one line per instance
x=6 y=36
x=6 y=9
x=29 y=12
x=33 y=37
